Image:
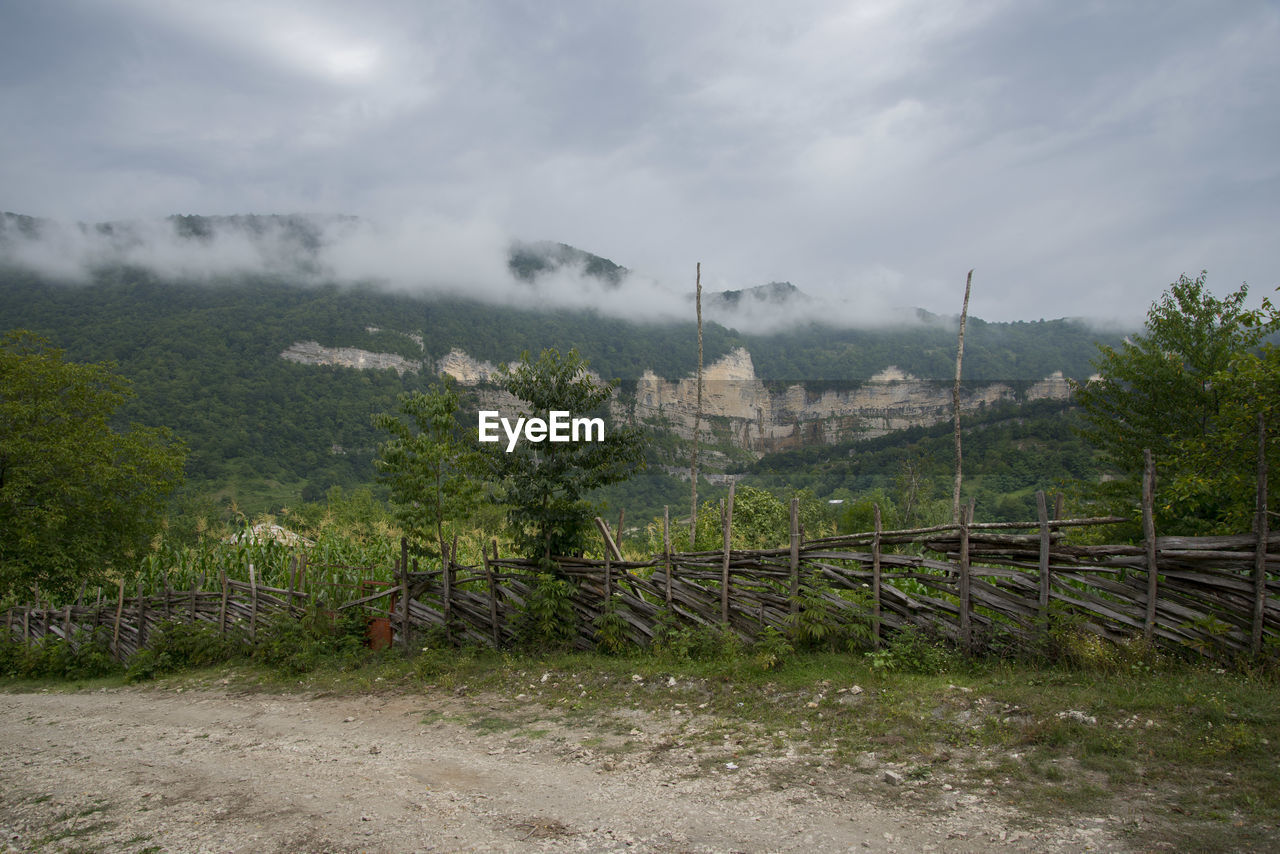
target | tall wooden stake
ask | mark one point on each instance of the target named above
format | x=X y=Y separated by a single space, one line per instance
x=1149 y=536
x=955 y=398
x=666 y=548
x=875 y=577
x=115 y=632
x=724 y=568
x=141 y=617
x=404 y=602
x=253 y=605
x=965 y=583
x=795 y=555
x=1042 y=511
x=1260 y=556
x=493 y=590
x=697 y=421
x=222 y=609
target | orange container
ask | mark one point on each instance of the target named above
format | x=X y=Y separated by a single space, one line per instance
x=378 y=635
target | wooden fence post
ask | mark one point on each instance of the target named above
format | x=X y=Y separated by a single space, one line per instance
x=141 y=607
x=666 y=547
x=966 y=618
x=795 y=555
x=875 y=577
x=493 y=593
x=447 y=557
x=115 y=634
x=253 y=605
x=195 y=592
x=1260 y=555
x=1042 y=513
x=493 y=597
x=293 y=571
x=608 y=577
x=404 y=593
x=168 y=605
x=1149 y=537
x=404 y=606
x=222 y=611
x=727 y=521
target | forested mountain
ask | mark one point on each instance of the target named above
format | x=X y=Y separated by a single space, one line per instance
x=205 y=359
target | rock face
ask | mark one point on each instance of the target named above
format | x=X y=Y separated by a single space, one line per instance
x=763 y=420
x=737 y=406
x=465 y=369
x=313 y=353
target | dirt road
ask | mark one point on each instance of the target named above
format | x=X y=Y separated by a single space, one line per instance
x=160 y=769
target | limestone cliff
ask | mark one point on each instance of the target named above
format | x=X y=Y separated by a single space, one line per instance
x=739 y=408
x=762 y=419
x=313 y=353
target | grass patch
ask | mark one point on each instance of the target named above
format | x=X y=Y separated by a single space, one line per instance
x=1189 y=749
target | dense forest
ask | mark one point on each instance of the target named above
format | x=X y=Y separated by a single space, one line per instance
x=265 y=432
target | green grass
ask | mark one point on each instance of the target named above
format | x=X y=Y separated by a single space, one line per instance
x=1188 y=752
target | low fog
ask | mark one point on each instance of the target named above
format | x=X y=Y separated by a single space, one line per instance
x=417 y=256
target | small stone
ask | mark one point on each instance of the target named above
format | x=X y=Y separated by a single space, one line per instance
x=893 y=778
x=636 y=677
x=856 y=689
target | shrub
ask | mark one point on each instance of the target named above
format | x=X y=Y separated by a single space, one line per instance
x=547 y=620
x=300 y=646
x=909 y=650
x=86 y=655
x=679 y=643
x=611 y=629
x=772 y=649
x=196 y=644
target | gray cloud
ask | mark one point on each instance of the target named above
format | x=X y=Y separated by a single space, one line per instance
x=1080 y=156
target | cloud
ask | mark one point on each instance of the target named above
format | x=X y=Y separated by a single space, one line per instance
x=1079 y=156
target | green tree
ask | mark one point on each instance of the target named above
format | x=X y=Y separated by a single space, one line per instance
x=761 y=520
x=1168 y=390
x=545 y=482
x=428 y=464
x=1222 y=463
x=79 y=500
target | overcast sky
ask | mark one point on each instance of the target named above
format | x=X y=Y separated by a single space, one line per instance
x=1080 y=155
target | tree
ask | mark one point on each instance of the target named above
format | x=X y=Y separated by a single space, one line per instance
x=545 y=481
x=428 y=464
x=79 y=500
x=1222 y=463
x=1168 y=390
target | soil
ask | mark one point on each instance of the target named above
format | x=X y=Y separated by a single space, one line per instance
x=167 y=769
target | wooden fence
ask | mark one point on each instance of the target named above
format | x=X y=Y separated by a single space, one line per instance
x=975 y=584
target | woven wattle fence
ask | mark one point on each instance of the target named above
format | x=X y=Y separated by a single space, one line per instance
x=977 y=585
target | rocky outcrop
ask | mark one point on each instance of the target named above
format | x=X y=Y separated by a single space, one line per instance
x=761 y=419
x=313 y=353
x=464 y=369
x=739 y=408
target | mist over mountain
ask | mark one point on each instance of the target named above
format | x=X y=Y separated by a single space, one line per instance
x=221 y=359
x=418 y=257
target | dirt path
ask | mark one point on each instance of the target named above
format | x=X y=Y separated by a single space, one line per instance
x=167 y=770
